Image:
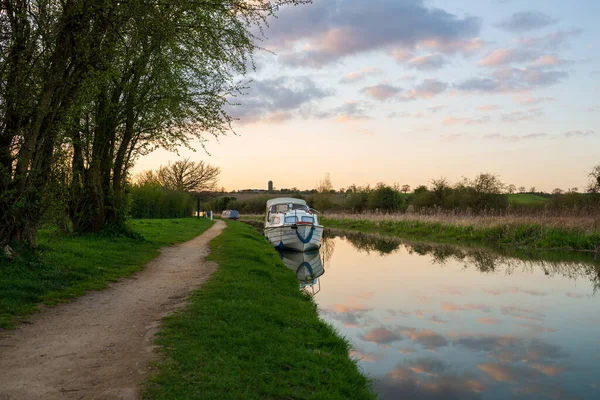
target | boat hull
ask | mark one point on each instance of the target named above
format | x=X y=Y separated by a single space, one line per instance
x=297 y=238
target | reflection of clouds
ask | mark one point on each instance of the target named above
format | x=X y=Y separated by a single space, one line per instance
x=344 y=308
x=507 y=373
x=350 y=317
x=451 y=291
x=488 y=321
x=523 y=313
x=576 y=295
x=365 y=357
x=514 y=290
x=467 y=307
x=427 y=366
x=550 y=370
x=535 y=328
x=398 y=312
x=437 y=320
x=381 y=335
x=429 y=339
x=403 y=383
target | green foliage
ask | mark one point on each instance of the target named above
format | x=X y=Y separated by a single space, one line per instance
x=250 y=333
x=66 y=266
x=150 y=200
x=385 y=198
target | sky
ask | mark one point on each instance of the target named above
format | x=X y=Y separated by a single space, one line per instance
x=406 y=91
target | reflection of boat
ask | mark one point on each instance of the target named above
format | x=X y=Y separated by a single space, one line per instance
x=307 y=266
x=291 y=224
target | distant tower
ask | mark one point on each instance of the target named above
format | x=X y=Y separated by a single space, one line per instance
x=270 y=186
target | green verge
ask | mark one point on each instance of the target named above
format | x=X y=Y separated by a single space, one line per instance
x=525 y=235
x=250 y=333
x=66 y=266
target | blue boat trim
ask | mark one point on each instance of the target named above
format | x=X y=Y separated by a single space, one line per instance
x=308 y=238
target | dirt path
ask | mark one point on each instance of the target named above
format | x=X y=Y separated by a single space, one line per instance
x=100 y=346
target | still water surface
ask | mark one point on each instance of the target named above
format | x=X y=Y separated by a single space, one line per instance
x=443 y=322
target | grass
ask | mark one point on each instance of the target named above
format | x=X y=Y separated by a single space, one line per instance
x=570 y=234
x=527 y=199
x=250 y=333
x=66 y=266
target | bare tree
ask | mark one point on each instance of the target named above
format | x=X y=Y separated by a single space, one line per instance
x=522 y=189
x=557 y=191
x=532 y=189
x=405 y=188
x=511 y=188
x=189 y=176
x=146 y=178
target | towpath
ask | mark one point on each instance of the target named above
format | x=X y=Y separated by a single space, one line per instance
x=100 y=346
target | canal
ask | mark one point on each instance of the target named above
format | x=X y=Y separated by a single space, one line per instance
x=430 y=321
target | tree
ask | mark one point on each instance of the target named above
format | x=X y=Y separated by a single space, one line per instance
x=111 y=81
x=322 y=199
x=532 y=189
x=405 y=188
x=487 y=183
x=557 y=191
x=594 y=180
x=522 y=189
x=511 y=188
x=188 y=176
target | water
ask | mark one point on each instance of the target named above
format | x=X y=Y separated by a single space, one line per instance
x=443 y=322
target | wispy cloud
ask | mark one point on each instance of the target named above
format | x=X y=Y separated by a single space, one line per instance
x=526 y=21
x=356 y=76
x=382 y=91
x=514 y=138
x=450 y=121
x=429 y=62
x=580 y=133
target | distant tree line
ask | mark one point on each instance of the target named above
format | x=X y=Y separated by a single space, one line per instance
x=485 y=193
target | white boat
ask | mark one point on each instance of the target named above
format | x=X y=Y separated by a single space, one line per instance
x=291 y=224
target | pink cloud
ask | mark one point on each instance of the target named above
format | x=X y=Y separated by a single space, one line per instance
x=382 y=91
x=359 y=75
x=451 y=121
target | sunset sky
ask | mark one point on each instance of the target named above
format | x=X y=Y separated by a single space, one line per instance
x=404 y=91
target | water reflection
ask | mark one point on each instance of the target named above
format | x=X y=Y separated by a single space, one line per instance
x=431 y=321
x=489 y=259
x=308 y=267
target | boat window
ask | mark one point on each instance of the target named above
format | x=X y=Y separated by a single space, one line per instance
x=279 y=208
x=275 y=220
x=308 y=219
x=291 y=220
x=299 y=207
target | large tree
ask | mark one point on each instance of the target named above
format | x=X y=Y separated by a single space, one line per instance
x=110 y=80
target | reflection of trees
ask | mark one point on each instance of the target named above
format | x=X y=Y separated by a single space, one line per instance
x=570 y=265
x=327 y=248
x=368 y=242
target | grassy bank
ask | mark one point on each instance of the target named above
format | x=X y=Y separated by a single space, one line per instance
x=531 y=233
x=249 y=333
x=66 y=266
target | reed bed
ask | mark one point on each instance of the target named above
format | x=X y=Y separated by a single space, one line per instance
x=588 y=223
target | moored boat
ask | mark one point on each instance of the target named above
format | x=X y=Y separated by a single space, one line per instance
x=291 y=224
